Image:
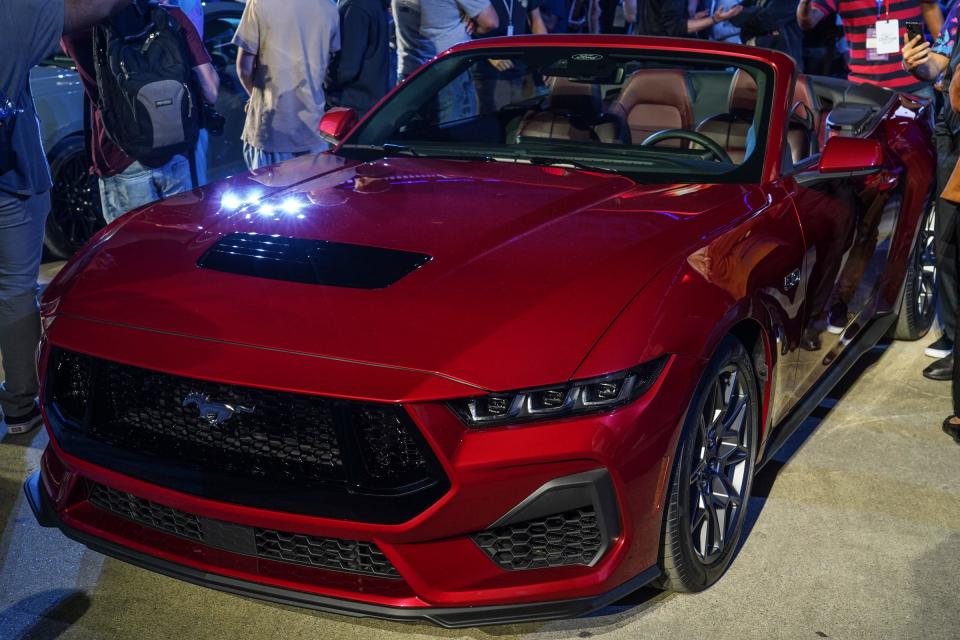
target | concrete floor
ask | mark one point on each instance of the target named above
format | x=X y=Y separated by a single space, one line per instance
x=854 y=533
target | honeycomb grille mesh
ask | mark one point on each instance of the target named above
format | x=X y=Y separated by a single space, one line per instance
x=569 y=538
x=227 y=432
x=149 y=514
x=326 y=553
x=334 y=554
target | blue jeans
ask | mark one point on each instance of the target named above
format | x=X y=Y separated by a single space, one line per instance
x=140 y=185
x=201 y=157
x=258 y=158
x=22 y=222
x=457 y=101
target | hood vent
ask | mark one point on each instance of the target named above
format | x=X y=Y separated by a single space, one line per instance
x=333 y=264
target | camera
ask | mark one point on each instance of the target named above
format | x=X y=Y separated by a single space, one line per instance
x=212 y=120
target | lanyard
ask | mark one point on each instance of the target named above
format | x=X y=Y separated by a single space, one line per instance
x=508 y=7
x=882 y=6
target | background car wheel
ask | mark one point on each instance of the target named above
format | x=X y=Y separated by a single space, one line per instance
x=75 y=213
x=712 y=474
x=919 y=305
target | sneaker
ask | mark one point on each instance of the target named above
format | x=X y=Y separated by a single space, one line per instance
x=25 y=423
x=837 y=318
x=940 y=349
x=941 y=369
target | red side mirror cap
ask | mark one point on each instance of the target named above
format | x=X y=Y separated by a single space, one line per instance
x=337 y=123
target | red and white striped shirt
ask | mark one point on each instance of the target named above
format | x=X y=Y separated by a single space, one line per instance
x=860 y=15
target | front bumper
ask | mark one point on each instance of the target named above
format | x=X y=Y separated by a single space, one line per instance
x=451 y=617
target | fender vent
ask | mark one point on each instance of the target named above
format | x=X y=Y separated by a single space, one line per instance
x=334 y=264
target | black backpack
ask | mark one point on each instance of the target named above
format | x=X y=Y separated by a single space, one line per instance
x=148 y=101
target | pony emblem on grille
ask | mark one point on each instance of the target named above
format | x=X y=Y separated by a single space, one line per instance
x=215 y=413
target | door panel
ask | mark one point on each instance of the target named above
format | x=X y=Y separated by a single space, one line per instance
x=847 y=224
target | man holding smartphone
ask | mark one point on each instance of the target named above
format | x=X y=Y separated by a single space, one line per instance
x=927 y=63
x=875 y=30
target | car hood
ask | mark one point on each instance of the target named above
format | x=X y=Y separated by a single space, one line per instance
x=528 y=265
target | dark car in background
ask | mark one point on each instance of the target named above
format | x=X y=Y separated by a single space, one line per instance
x=75 y=213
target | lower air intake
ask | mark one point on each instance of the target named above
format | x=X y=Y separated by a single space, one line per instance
x=563 y=539
x=333 y=554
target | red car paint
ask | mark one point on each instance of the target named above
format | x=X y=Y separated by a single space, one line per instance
x=539 y=275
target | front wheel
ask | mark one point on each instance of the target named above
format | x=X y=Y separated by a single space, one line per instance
x=712 y=474
x=919 y=304
x=75 y=212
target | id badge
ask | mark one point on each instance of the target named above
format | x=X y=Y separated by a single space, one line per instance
x=510 y=30
x=872 y=54
x=888 y=37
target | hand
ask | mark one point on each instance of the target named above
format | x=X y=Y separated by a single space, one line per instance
x=915 y=52
x=501 y=65
x=471 y=26
x=701 y=14
x=724 y=15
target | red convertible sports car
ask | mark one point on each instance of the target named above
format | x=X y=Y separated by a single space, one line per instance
x=513 y=349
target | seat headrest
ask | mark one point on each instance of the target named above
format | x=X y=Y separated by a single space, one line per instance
x=668 y=87
x=574 y=97
x=743 y=92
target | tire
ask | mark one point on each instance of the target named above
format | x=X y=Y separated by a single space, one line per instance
x=728 y=392
x=75 y=211
x=919 y=304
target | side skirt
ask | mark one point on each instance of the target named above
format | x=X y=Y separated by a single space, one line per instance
x=868 y=338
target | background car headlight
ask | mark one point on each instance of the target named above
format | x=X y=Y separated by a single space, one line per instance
x=594 y=395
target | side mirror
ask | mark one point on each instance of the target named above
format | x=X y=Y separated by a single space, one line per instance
x=845 y=158
x=337 y=123
x=852 y=156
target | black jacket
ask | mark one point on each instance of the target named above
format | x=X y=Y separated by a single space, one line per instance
x=360 y=74
x=662 y=18
x=773 y=23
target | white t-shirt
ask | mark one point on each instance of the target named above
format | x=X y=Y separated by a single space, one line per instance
x=293 y=41
x=443 y=21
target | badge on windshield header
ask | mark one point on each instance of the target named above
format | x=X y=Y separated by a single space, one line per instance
x=587 y=57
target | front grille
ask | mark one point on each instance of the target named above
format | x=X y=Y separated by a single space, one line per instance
x=149 y=514
x=326 y=553
x=271 y=449
x=569 y=538
x=335 y=554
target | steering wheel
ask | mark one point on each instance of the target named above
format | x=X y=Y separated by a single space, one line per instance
x=718 y=152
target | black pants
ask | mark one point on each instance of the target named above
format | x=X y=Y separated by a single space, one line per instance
x=946 y=235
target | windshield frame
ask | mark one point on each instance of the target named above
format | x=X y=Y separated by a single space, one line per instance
x=427 y=81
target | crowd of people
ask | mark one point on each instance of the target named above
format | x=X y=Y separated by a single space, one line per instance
x=298 y=58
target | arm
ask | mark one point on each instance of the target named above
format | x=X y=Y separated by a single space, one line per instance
x=246 y=64
x=537 y=26
x=808 y=16
x=209 y=82
x=933 y=16
x=696 y=24
x=766 y=19
x=923 y=63
x=83 y=14
x=487 y=20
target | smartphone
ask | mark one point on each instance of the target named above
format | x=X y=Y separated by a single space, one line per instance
x=914 y=29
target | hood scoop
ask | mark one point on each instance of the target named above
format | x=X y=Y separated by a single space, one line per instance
x=333 y=264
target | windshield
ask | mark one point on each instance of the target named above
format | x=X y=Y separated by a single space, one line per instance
x=656 y=116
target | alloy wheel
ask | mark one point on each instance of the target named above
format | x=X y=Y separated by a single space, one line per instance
x=719 y=474
x=75 y=206
x=927 y=272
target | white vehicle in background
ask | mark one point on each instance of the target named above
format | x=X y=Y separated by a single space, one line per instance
x=75 y=213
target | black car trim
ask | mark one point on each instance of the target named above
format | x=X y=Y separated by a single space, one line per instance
x=450 y=617
x=865 y=341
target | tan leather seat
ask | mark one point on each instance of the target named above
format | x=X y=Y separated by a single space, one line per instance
x=652 y=100
x=574 y=112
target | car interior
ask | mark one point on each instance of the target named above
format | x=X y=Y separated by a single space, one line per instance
x=710 y=111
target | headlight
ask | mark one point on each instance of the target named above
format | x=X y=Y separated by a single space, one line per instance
x=602 y=394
